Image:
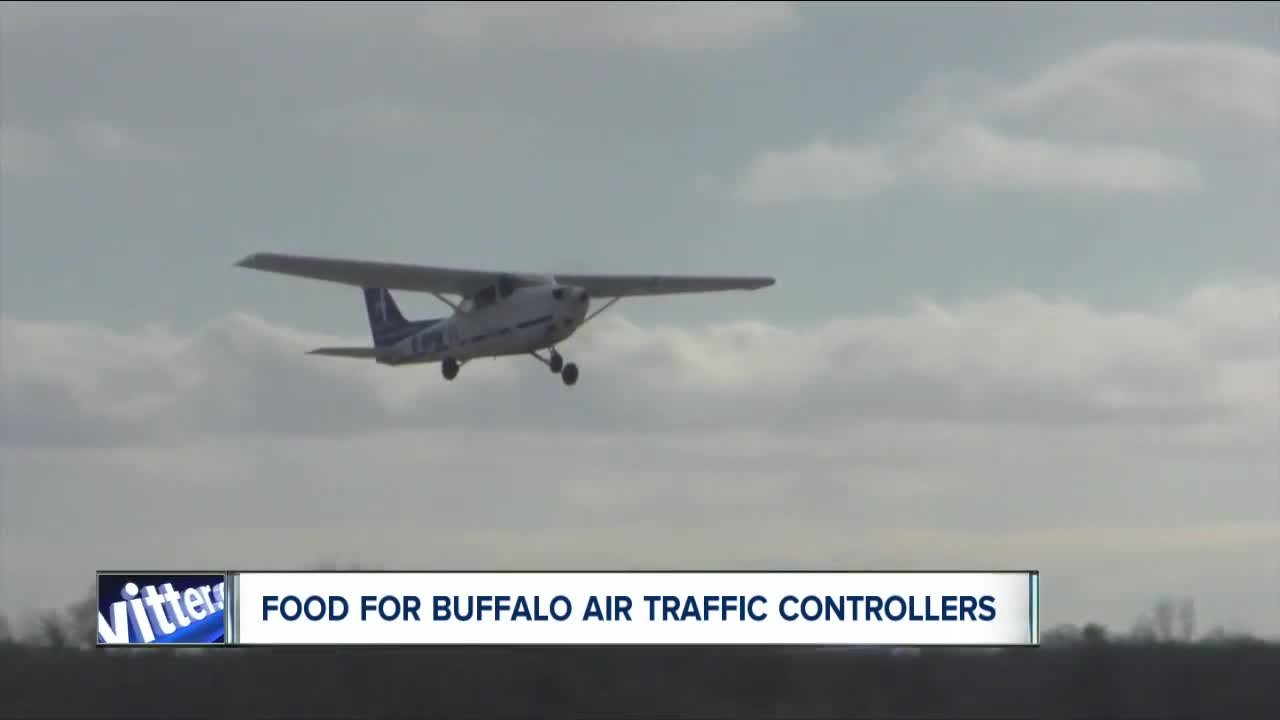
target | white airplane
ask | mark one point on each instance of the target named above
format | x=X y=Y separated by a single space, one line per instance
x=500 y=314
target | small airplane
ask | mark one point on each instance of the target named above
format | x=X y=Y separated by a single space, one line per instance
x=500 y=313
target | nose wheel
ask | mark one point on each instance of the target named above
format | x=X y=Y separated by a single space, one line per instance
x=449 y=368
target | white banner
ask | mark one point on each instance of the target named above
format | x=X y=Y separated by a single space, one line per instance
x=635 y=608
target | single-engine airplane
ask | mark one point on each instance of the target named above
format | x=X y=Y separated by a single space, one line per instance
x=500 y=313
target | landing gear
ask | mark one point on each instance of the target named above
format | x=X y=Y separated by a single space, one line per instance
x=570 y=374
x=449 y=368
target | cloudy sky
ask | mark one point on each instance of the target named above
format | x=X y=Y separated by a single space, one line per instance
x=1026 y=312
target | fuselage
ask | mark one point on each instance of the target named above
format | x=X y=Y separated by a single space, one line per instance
x=502 y=320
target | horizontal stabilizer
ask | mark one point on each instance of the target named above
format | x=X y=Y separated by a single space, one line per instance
x=353 y=352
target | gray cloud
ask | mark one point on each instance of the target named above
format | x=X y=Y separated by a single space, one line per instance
x=105 y=139
x=371 y=119
x=23 y=152
x=650 y=26
x=657 y=26
x=26 y=16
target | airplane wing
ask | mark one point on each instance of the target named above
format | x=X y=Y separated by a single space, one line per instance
x=363 y=273
x=448 y=281
x=352 y=352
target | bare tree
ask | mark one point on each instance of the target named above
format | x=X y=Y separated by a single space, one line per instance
x=1061 y=635
x=1162 y=619
x=1144 y=629
x=1094 y=634
x=81 y=619
x=53 y=630
x=1187 y=620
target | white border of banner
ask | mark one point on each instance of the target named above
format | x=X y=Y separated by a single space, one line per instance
x=1014 y=589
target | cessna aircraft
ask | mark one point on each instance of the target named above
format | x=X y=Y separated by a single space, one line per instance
x=500 y=313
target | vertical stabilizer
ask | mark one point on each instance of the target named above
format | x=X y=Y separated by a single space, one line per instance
x=386 y=322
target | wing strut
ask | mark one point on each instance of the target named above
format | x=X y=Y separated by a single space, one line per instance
x=445 y=300
x=603 y=307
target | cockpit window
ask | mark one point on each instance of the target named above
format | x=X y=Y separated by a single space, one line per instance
x=506 y=286
x=485 y=297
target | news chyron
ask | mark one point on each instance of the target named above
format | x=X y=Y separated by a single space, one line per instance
x=141 y=609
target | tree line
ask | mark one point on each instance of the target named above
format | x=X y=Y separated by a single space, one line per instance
x=1160 y=668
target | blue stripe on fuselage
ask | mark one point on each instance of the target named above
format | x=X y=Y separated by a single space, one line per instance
x=434 y=342
x=391 y=336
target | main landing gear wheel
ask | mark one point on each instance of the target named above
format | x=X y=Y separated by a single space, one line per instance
x=449 y=368
x=570 y=374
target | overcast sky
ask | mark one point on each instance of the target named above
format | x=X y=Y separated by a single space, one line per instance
x=1026 y=312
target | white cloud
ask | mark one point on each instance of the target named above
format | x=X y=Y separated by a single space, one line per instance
x=1016 y=358
x=966 y=155
x=976 y=155
x=1151 y=84
x=1014 y=431
x=23 y=152
x=821 y=169
x=951 y=132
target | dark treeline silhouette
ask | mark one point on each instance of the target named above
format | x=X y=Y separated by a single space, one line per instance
x=1160 y=670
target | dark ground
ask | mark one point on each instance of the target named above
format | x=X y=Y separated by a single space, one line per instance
x=1092 y=678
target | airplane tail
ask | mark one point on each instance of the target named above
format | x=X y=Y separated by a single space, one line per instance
x=386 y=323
